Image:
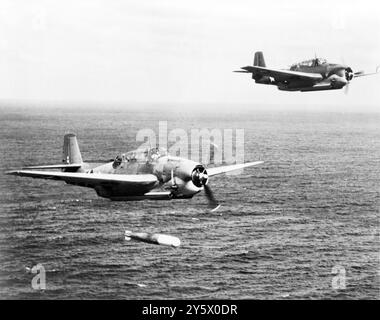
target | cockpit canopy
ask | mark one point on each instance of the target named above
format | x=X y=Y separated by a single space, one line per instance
x=140 y=155
x=309 y=63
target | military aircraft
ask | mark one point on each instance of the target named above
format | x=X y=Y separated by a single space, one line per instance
x=137 y=175
x=310 y=75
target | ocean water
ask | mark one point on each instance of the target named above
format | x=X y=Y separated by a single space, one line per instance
x=282 y=231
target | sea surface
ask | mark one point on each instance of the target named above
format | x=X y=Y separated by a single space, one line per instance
x=303 y=225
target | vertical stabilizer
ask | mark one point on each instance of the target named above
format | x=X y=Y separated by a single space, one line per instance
x=71 y=153
x=259 y=59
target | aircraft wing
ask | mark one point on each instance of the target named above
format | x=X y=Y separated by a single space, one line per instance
x=223 y=169
x=92 y=179
x=282 y=75
x=55 y=166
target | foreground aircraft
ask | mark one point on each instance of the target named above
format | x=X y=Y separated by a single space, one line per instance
x=136 y=175
x=310 y=75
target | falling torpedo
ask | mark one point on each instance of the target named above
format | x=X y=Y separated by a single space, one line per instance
x=155 y=238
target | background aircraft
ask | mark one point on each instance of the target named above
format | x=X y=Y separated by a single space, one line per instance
x=136 y=175
x=310 y=75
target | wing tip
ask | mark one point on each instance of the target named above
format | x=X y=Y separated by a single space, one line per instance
x=253 y=163
x=12 y=172
x=241 y=71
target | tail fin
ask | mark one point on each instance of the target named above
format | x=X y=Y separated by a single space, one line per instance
x=259 y=59
x=71 y=153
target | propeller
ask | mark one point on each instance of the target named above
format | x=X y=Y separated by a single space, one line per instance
x=212 y=202
x=349 y=75
x=200 y=178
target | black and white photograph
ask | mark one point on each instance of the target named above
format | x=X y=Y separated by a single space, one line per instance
x=189 y=151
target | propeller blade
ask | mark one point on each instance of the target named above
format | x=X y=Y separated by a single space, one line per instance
x=213 y=203
x=213 y=147
x=346 y=88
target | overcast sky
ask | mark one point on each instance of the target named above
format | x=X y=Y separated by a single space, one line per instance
x=182 y=51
